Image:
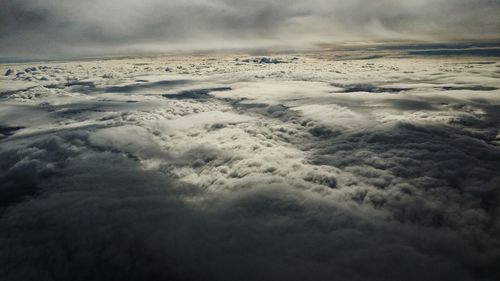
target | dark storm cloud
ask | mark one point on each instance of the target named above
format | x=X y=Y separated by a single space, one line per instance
x=51 y=27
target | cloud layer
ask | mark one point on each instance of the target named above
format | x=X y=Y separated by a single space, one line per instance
x=236 y=167
x=70 y=28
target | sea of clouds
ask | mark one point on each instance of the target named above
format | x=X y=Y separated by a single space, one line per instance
x=236 y=167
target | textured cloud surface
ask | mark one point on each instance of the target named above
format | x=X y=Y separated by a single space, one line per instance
x=69 y=28
x=236 y=167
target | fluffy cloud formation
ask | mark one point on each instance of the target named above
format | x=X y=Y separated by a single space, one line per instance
x=238 y=167
x=69 y=28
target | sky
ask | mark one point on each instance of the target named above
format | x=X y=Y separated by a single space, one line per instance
x=55 y=28
x=361 y=164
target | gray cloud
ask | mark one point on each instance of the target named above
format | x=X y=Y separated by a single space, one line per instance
x=61 y=28
x=115 y=170
x=100 y=217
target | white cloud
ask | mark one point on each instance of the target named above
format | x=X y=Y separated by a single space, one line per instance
x=312 y=168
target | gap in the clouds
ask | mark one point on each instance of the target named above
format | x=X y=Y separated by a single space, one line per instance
x=370 y=88
x=354 y=88
x=6 y=131
x=196 y=94
x=89 y=87
x=468 y=88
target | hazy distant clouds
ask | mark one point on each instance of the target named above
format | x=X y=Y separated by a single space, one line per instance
x=55 y=28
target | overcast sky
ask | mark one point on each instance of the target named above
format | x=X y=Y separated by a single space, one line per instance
x=56 y=28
